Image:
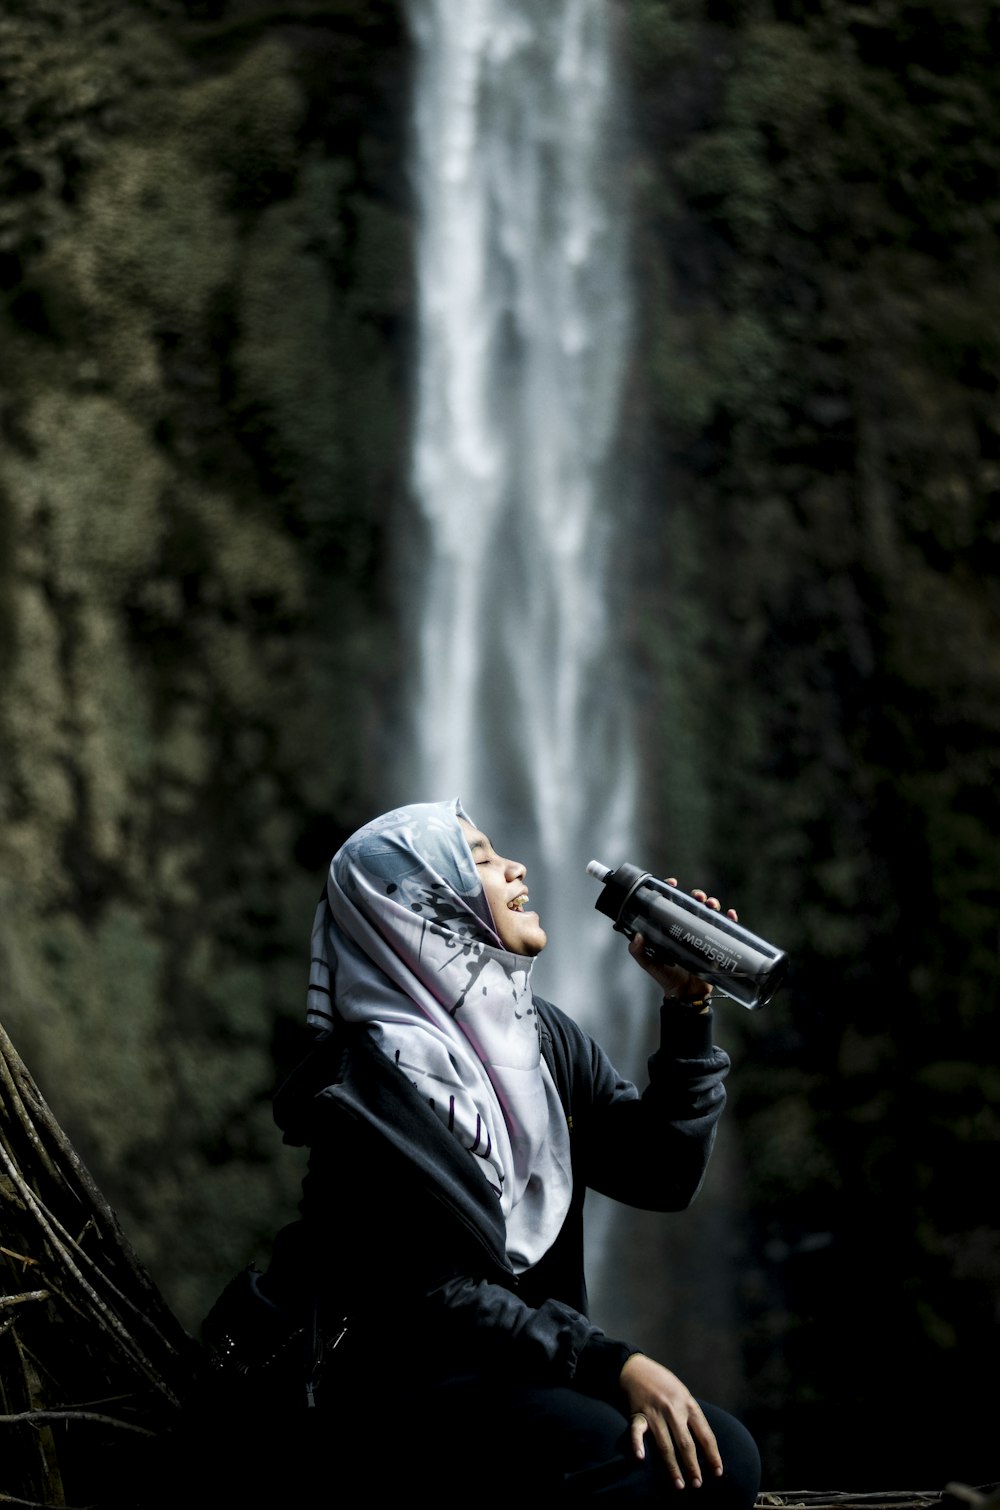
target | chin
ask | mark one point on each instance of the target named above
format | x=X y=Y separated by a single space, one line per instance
x=526 y=947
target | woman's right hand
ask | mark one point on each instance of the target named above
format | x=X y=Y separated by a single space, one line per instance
x=660 y=1405
x=674 y=980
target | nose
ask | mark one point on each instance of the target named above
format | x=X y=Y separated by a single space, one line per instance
x=514 y=870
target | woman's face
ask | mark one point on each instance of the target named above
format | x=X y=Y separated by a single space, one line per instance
x=503 y=885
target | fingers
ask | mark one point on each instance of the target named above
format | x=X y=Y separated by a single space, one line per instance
x=664 y=1407
x=705 y=1438
x=715 y=904
x=678 y=1436
x=637 y=949
x=681 y=1463
x=637 y=1428
x=673 y=980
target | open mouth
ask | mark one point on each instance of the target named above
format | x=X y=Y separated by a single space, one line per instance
x=519 y=903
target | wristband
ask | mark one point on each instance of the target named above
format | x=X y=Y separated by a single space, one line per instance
x=688 y=1003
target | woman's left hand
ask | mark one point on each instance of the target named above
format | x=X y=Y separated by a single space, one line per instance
x=674 y=980
x=663 y=1407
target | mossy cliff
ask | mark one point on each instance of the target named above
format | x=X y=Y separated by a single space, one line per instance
x=207 y=269
x=817 y=205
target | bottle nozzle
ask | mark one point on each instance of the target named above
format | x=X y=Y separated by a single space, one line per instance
x=598 y=871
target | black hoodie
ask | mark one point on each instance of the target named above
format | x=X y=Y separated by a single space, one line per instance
x=401 y=1230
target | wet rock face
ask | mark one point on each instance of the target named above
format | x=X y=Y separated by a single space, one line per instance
x=818 y=365
x=206 y=279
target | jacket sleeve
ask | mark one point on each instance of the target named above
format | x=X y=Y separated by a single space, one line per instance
x=550 y=1343
x=648 y=1150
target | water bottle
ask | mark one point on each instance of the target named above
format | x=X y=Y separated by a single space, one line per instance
x=679 y=930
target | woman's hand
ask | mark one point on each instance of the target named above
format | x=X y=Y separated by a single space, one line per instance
x=658 y=1403
x=674 y=980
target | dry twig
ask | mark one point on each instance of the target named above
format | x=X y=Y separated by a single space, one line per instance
x=94 y=1324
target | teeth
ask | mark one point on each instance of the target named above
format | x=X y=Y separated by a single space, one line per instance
x=518 y=904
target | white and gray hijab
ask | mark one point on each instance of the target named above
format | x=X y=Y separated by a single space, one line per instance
x=404 y=943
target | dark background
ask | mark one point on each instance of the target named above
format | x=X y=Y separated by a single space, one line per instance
x=206 y=238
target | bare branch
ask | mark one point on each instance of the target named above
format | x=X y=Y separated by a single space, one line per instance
x=46 y=1417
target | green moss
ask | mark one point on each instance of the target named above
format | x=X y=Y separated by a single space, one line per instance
x=817 y=272
x=661 y=36
x=791 y=1155
x=244 y=126
x=194 y=486
x=153 y=236
x=101 y=990
x=90 y=494
x=288 y=328
x=725 y=173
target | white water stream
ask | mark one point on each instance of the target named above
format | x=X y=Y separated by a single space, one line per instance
x=518 y=699
x=521 y=704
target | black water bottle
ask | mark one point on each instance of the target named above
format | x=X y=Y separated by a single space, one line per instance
x=679 y=930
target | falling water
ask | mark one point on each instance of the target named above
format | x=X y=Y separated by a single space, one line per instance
x=523 y=321
x=520 y=703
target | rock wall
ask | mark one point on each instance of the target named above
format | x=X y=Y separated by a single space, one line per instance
x=205 y=249
x=815 y=398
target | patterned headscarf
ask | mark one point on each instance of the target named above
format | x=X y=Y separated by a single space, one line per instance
x=405 y=943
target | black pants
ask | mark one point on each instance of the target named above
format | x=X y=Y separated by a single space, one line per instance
x=466 y=1442
x=563 y=1447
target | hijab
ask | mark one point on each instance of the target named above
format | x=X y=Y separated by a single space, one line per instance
x=405 y=944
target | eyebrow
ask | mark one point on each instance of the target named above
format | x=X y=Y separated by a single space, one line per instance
x=480 y=842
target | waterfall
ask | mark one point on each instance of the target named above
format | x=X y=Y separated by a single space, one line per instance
x=518 y=701
x=520 y=704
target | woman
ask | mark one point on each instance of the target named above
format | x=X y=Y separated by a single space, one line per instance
x=455 y=1122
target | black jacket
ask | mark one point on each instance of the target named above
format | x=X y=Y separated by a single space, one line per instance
x=401 y=1228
